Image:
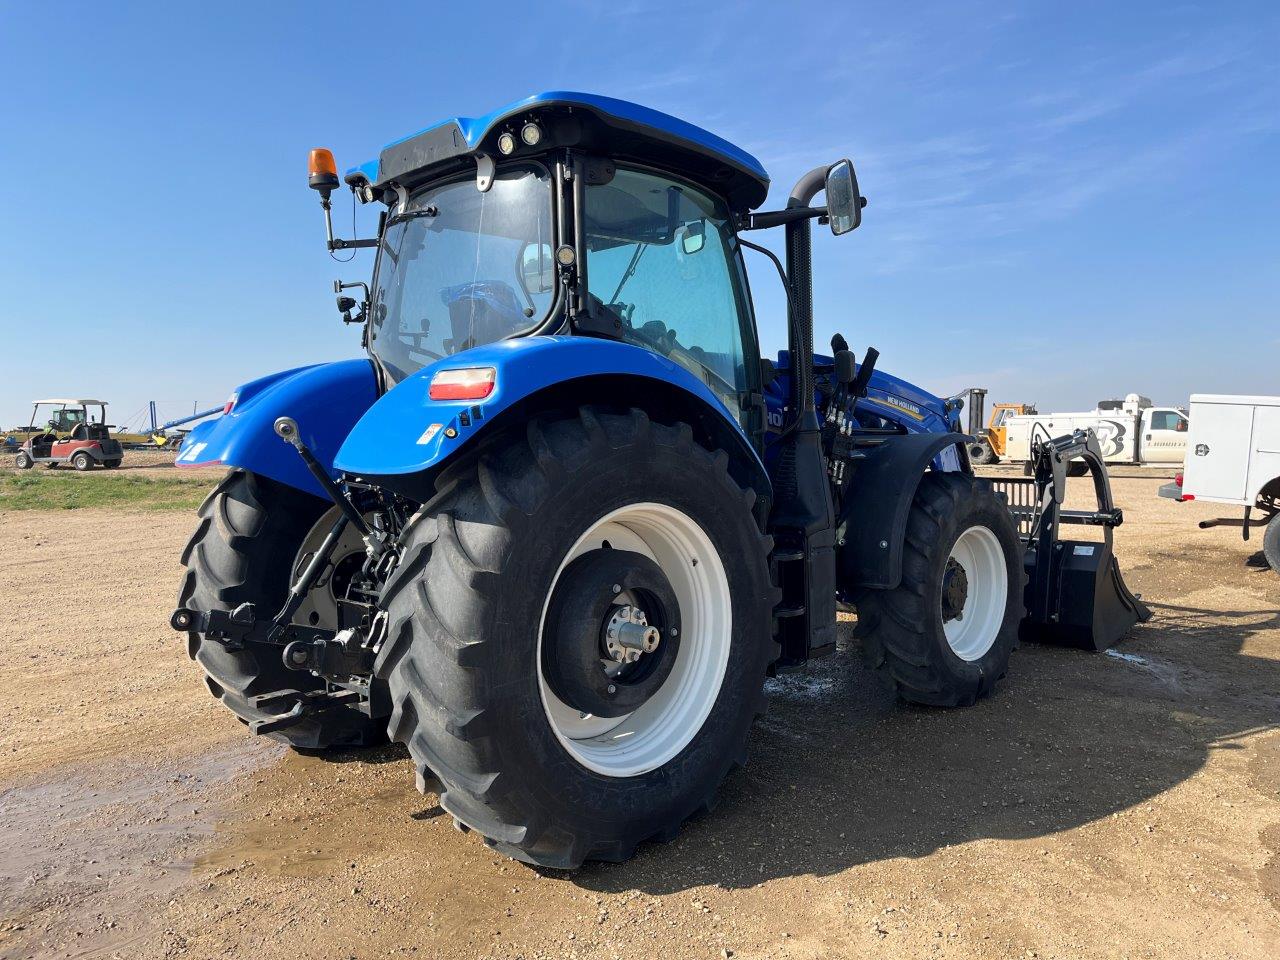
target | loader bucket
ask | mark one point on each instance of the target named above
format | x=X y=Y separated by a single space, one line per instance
x=1086 y=604
x=1075 y=595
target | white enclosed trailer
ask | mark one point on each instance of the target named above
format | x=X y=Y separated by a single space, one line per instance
x=1131 y=430
x=1233 y=457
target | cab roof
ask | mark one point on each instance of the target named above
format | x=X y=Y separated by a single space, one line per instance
x=73 y=403
x=616 y=129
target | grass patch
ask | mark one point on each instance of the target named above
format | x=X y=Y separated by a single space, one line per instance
x=52 y=490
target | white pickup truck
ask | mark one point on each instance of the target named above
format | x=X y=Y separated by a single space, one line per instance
x=1233 y=456
x=1131 y=430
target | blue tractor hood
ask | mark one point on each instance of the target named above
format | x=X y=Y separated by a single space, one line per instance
x=888 y=397
x=614 y=128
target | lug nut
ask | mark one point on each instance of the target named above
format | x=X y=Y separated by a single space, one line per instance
x=612 y=688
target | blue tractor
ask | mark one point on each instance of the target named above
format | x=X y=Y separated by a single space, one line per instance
x=559 y=525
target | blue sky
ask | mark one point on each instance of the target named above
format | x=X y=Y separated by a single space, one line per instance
x=1067 y=201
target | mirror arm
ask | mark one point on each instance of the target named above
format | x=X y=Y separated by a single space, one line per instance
x=777 y=218
x=340 y=285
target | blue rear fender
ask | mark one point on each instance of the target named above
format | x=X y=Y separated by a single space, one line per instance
x=325 y=399
x=408 y=433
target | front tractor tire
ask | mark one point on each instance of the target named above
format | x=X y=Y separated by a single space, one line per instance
x=578 y=636
x=245 y=549
x=944 y=635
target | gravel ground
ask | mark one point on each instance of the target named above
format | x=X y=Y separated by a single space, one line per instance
x=1098 y=806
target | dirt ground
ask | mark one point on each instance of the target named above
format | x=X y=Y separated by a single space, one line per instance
x=1115 y=805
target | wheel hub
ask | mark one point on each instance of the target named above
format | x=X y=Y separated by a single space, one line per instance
x=628 y=635
x=955 y=590
x=612 y=633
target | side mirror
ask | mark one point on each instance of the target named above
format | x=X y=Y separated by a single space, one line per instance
x=537 y=268
x=844 y=203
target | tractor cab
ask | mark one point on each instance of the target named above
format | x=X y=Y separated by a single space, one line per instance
x=70 y=431
x=562 y=214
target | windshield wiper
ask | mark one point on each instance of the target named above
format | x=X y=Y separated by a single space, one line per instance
x=427 y=211
x=630 y=271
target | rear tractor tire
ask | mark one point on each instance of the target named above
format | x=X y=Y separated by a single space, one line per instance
x=944 y=635
x=246 y=548
x=578 y=636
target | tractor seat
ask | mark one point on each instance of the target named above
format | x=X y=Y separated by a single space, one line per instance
x=483 y=311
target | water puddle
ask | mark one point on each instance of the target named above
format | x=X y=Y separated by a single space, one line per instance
x=1166 y=673
x=83 y=851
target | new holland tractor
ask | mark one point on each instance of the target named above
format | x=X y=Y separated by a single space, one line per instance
x=557 y=528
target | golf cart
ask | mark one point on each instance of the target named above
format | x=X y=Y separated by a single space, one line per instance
x=70 y=435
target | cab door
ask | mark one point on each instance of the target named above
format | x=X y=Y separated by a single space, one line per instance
x=1164 y=436
x=663 y=259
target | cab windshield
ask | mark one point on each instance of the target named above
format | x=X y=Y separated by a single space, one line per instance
x=460 y=268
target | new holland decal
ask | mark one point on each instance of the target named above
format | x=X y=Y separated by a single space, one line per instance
x=906 y=406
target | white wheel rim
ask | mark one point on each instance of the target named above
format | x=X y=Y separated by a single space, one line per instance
x=665 y=724
x=974 y=633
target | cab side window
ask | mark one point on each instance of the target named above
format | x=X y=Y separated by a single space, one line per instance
x=1167 y=420
x=662 y=256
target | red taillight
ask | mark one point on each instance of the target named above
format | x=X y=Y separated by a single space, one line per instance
x=1178 y=479
x=231 y=402
x=467 y=383
x=1188 y=496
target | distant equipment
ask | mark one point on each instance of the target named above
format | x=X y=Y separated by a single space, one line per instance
x=70 y=435
x=989 y=437
x=1129 y=431
x=159 y=434
x=1233 y=457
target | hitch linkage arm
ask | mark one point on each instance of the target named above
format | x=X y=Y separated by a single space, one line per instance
x=234 y=628
x=323 y=652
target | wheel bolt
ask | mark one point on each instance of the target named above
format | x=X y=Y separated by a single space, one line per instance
x=612 y=688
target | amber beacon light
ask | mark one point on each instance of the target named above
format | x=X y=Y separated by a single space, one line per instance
x=322 y=171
